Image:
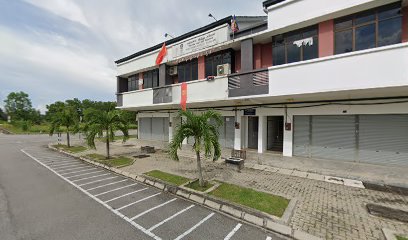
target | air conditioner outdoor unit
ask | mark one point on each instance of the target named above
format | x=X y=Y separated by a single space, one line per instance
x=173 y=70
x=223 y=69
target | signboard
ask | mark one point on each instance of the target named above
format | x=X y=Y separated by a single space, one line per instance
x=200 y=42
x=250 y=112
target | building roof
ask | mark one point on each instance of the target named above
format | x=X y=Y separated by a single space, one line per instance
x=268 y=3
x=190 y=34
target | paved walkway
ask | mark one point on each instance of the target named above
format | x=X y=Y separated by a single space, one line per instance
x=327 y=210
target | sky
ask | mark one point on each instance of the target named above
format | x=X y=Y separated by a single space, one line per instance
x=62 y=49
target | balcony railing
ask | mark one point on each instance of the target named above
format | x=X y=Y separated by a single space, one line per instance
x=249 y=83
x=162 y=95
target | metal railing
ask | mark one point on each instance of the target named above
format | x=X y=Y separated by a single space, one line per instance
x=258 y=77
x=162 y=95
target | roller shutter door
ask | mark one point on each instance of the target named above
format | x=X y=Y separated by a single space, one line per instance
x=155 y=128
x=334 y=137
x=301 y=136
x=226 y=133
x=383 y=139
x=375 y=139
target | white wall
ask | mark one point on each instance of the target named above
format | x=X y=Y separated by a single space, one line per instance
x=373 y=68
x=307 y=12
x=138 y=98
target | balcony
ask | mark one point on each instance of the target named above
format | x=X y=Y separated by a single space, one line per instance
x=372 y=69
x=169 y=96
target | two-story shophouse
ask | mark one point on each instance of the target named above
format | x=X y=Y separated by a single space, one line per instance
x=314 y=78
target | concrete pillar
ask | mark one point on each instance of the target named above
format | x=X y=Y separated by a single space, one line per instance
x=201 y=67
x=141 y=81
x=288 y=136
x=405 y=24
x=247 y=53
x=326 y=38
x=237 y=133
x=171 y=127
x=262 y=133
x=162 y=75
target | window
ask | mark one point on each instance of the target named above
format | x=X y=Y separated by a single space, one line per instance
x=133 y=82
x=295 y=46
x=369 y=29
x=151 y=79
x=212 y=61
x=188 y=71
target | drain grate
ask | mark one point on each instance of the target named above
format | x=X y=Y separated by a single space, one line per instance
x=141 y=156
x=387 y=212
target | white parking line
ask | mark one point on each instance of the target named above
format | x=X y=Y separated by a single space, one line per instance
x=62 y=164
x=89 y=189
x=194 y=227
x=124 y=195
x=236 y=228
x=138 y=201
x=115 y=189
x=169 y=218
x=68 y=166
x=97 y=200
x=153 y=208
x=90 y=169
x=74 y=168
x=82 y=174
x=77 y=180
x=100 y=180
x=57 y=162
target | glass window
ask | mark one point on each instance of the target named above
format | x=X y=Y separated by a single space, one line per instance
x=344 y=41
x=365 y=37
x=295 y=46
x=133 y=82
x=374 y=28
x=188 y=71
x=212 y=61
x=278 y=53
x=151 y=79
x=389 y=31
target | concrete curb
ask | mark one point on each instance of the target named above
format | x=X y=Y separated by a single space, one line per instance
x=251 y=216
x=390 y=234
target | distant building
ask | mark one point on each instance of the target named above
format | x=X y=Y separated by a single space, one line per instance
x=313 y=78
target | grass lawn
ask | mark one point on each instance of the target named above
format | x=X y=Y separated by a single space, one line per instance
x=43 y=128
x=113 y=162
x=401 y=238
x=72 y=149
x=271 y=204
x=167 y=177
x=196 y=186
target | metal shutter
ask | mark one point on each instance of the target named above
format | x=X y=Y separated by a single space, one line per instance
x=145 y=126
x=160 y=129
x=166 y=129
x=301 y=136
x=334 y=137
x=384 y=139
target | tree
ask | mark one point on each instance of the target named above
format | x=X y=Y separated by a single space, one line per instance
x=66 y=117
x=18 y=106
x=205 y=136
x=98 y=121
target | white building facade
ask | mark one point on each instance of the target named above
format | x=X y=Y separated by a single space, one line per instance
x=312 y=79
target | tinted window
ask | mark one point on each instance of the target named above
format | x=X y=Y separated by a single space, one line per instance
x=278 y=53
x=212 y=61
x=344 y=41
x=389 y=32
x=365 y=37
x=187 y=71
x=374 y=28
x=295 y=46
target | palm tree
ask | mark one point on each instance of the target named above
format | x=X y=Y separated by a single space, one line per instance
x=66 y=117
x=98 y=122
x=205 y=136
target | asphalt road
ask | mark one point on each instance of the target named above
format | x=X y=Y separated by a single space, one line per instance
x=46 y=195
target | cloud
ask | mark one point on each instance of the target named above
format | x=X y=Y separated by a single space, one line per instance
x=60 y=49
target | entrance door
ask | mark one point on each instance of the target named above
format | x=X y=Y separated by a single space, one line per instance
x=253 y=132
x=275 y=133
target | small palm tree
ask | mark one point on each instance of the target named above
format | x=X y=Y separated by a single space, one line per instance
x=205 y=136
x=98 y=122
x=66 y=117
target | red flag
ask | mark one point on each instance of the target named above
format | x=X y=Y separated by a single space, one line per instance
x=162 y=54
x=183 y=101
